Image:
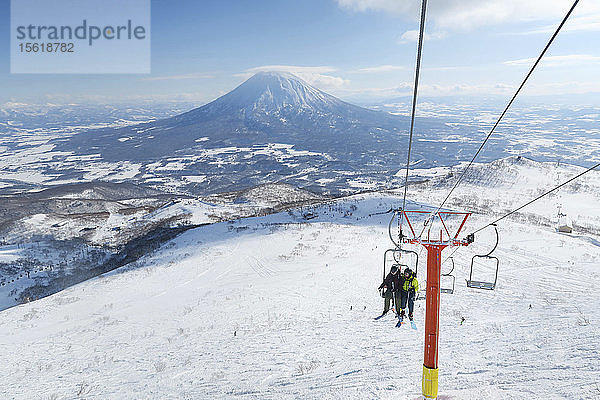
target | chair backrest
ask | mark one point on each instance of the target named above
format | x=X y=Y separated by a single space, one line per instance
x=473 y=284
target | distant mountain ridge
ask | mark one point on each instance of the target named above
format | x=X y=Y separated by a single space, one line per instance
x=274 y=127
x=267 y=105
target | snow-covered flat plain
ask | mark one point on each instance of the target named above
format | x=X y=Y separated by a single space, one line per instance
x=281 y=307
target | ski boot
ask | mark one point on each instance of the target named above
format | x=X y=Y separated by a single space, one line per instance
x=413 y=324
x=400 y=318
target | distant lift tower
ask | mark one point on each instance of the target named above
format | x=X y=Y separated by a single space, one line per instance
x=434 y=248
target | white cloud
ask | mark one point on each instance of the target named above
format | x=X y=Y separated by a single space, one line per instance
x=444 y=68
x=382 y=68
x=413 y=36
x=316 y=76
x=194 y=97
x=565 y=87
x=179 y=77
x=467 y=14
x=293 y=69
x=430 y=90
x=467 y=89
x=325 y=82
x=576 y=24
x=399 y=7
x=557 y=61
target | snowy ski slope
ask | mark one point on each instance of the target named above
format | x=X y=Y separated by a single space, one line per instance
x=281 y=307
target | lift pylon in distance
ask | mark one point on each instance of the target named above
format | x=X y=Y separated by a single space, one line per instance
x=434 y=246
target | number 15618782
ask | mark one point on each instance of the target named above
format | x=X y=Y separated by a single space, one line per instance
x=50 y=47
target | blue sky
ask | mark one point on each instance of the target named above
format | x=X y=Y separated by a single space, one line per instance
x=360 y=50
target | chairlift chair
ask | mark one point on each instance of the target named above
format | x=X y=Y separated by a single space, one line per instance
x=481 y=284
x=473 y=284
x=449 y=290
x=396 y=257
x=395 y=260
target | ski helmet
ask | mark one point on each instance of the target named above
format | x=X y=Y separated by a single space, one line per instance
x=407 y=271
x=394 y=269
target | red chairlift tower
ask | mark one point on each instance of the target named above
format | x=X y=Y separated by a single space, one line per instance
x=434 y=246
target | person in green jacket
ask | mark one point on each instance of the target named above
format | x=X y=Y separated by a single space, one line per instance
x=407 y=295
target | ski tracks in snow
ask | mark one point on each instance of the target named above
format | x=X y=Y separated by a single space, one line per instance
x=286 y=313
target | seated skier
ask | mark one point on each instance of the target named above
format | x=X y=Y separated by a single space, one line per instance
x=410 y=286
x=391 y=289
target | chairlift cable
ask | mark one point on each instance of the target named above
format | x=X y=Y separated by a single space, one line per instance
x=460 y=247
x=452 y=270
x=414 y=100
x=460 y=178
x=399 y=243
x=539 y=197
x=450 y=256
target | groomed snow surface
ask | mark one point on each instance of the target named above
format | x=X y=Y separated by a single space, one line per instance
x=279 y=307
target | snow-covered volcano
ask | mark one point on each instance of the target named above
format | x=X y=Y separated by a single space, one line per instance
x=275 y=101
x=274 y=127
x=267 y=107
x=280 y=107
x=272 y=92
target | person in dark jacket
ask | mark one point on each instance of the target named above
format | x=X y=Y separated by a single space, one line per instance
x=410 y=286
x=391 y=287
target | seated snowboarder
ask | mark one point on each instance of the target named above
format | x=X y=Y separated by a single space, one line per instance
x=391 y=289
x=410 y=286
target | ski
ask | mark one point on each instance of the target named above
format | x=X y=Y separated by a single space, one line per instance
x=379 y=317
x=399 y=324
x=413 y=324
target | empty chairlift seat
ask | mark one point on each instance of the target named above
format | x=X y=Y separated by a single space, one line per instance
x=480 y=284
